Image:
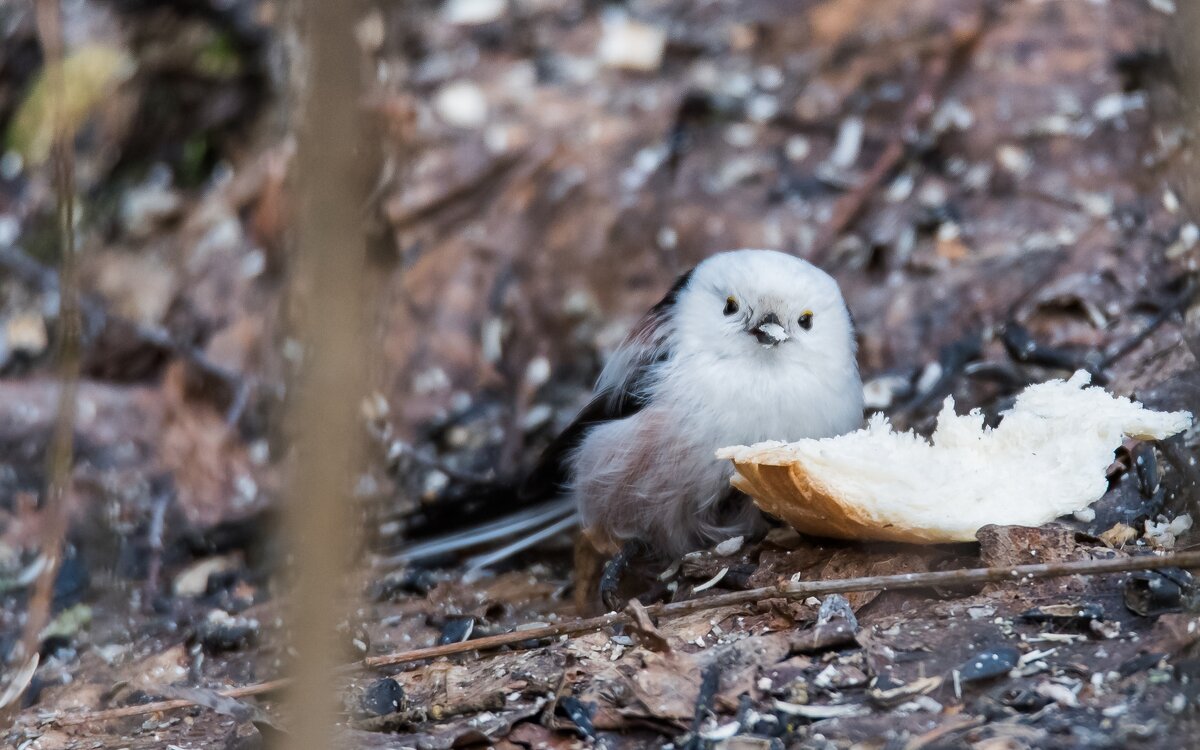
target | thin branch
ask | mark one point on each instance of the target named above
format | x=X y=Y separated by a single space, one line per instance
x=801 y=590
x=61 y=449
x=791 y=590
x=518 y=639
x=125 y=712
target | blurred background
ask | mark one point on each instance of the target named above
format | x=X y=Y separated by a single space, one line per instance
x=1003 y=189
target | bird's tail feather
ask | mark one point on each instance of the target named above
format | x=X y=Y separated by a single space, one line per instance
x=477 y=564
x=530 y=526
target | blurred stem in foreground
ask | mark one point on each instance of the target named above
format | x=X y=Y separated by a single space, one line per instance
x=329 y=290
x=53 y=508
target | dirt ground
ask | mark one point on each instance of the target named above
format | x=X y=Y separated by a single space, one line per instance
x=1004 y=190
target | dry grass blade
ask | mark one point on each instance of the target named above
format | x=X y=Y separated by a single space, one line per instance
x=53 y=522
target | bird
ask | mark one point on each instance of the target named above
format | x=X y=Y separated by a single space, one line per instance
x=749 y=345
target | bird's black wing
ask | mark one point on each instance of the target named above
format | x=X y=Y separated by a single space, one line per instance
x=646 y=346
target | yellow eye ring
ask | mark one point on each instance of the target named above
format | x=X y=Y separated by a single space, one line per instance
x=806 y=319
x=731 y=305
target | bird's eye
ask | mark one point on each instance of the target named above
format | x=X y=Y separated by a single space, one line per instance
x=731 y=305
x=805 y=320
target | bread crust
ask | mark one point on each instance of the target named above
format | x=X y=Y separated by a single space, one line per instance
x=800 y=499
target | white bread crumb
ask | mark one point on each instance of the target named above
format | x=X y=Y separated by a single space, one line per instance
x=1047 y=458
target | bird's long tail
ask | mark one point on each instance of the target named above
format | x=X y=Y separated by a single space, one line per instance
x=520 y=530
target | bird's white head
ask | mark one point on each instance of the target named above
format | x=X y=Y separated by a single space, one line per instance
x=764 y=305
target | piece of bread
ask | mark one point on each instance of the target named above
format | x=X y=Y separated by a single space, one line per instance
x=1046 y=458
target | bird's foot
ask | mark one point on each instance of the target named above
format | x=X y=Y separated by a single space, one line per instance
x=614 y=571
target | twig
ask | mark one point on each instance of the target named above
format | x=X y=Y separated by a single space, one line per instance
x=936 y=77
x=790 y=590
x=60 y=460
x=126 y=712
x=800 y=590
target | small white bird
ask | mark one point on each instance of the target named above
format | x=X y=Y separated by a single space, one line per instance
x=750 y=345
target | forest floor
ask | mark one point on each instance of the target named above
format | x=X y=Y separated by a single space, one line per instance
x=1005 y=192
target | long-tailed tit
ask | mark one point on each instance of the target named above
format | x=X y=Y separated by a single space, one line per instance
x=750 y=345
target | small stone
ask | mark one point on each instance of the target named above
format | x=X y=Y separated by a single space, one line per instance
x=836 y=609
x=630 y=45
x=1112 y=106
x=741 y=135
x=849 y=143
x=474 y=12
x=1014 y=160
x=1189 y=234
x=1170 y=201
x=537 y=372
x=762 y=108
x=461 y=104
x=797 y=148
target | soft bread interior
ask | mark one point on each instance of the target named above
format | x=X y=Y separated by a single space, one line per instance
x=1046 y=458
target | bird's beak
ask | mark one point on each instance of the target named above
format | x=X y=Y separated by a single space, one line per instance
x=769 y=332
